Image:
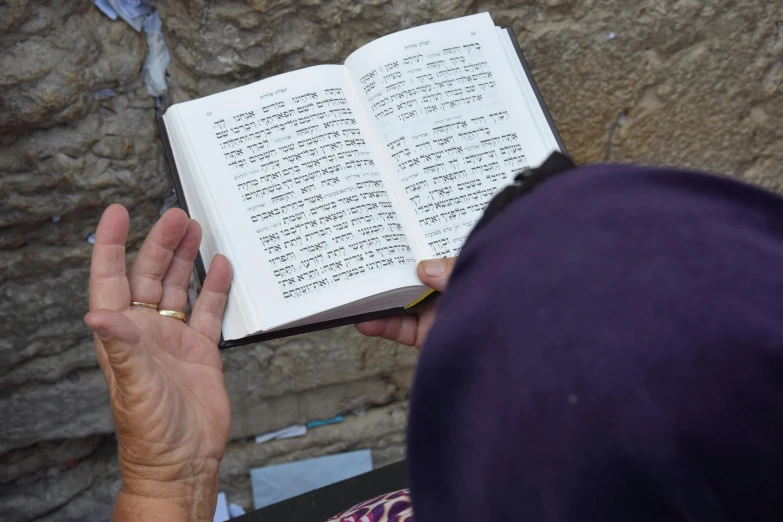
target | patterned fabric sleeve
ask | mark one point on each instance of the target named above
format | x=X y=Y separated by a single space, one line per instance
x=392 y=507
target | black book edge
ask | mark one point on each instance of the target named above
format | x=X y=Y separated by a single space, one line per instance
x=201 y=271
x=539 y=98
x=343 y=321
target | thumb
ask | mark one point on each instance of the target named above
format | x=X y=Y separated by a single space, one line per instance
x=435 y=273
x=121 y=340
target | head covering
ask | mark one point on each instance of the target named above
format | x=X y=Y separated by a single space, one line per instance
x=609 y=348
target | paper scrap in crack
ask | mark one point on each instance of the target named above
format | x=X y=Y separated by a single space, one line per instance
x=274 y=484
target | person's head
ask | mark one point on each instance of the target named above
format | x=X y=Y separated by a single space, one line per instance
x=610 y=347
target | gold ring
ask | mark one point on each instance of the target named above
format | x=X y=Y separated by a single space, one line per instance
x=145 y=305
x=182 y=316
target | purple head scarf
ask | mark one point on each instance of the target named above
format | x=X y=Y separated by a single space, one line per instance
x=610 y=348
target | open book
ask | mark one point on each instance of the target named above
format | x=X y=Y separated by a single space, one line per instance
x=325 y=186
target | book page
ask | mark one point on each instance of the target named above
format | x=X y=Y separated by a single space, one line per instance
x=447 y=106
x=308 y=217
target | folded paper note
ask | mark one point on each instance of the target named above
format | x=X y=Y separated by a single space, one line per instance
x=273 y=484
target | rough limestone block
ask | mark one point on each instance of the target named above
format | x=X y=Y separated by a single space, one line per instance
x=16 y=464
x=695 y=84
x=382 y=430
x=55 y=56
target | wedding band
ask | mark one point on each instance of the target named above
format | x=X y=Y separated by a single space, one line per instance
x=174 y=315
x=145 y=305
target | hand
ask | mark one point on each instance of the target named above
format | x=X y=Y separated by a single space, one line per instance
x=413 y=329
x=165 y=377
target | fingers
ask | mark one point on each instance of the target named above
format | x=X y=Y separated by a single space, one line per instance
x=207 y=315
x=175 y=283
x=372 y=328
x=435 y=273
x=121 y=341
x=407 y=329
x=155 y=255
x=108 y=282
x=400 y=328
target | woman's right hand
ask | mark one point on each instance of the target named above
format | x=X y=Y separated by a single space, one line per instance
x=413 y=329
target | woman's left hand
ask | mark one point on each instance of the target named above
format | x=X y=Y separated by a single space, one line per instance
x=413 y=329
x=165 y=377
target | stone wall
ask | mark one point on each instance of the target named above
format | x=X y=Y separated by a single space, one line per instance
x=690 y=83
